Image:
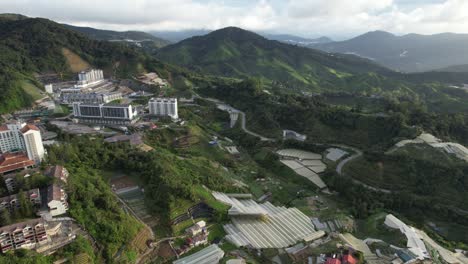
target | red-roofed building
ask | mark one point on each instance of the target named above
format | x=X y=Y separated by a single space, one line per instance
x=14 y=161
x=333 y=261
x=28 y=127
x=58 y=172
x=349 y=259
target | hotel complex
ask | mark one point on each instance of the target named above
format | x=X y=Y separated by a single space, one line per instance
x=109 y=114
x=163 y=107
x=17 y=136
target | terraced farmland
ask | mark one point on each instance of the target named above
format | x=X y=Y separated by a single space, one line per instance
x=135 y=200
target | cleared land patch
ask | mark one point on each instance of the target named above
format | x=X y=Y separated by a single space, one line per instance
x=75 y=62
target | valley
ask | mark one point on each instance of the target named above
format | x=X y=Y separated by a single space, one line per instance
x=225 y=147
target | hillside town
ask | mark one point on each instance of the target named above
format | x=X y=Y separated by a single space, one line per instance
x=234 y=132
x=38 y=193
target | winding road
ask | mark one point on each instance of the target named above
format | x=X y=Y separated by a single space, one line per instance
x=226 y=107
x=339 y=168
x=358 y=154
x=243 y=126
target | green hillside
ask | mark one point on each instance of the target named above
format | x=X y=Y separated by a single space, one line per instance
x=235 y=52
x=455 y=68
x=29 y=46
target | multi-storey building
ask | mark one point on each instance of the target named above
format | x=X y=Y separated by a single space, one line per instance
x=26 y=234
x=90 y=98
x=90 y=76
x=56 y=200
x=110 y=114
x=163 y=107
x=12 y=202
x=21 y=136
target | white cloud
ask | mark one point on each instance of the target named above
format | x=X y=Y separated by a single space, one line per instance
x=305 y=17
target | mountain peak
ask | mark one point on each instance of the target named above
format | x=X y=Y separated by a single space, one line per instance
x=234 y=33
x=11 y=16
x=377 y=34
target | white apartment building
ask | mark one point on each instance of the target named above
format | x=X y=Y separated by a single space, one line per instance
x=21 y=136
x=163 y=107
x=90 y=76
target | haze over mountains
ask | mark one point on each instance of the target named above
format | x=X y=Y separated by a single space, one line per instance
x=176 y=36
x=408 y=53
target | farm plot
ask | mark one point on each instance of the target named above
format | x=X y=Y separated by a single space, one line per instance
x=135 y=200
x=304 y=163
x=128 y=190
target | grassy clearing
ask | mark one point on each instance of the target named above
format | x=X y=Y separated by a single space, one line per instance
x=216 y=232
x=179 y=229
x=179 y=206
x=32 y=90
x=75 y=62
x=374 y=227
x=206 y=196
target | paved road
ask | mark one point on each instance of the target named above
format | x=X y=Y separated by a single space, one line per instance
x=243 y=126
x=226 y=107
x=339 y=169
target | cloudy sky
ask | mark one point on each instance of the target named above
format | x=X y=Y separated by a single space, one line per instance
x=312 y=18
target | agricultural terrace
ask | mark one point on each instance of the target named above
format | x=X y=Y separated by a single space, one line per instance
x=304 y=163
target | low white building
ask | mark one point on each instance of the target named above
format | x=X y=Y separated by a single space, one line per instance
x=290 y=134
x=56 y=200
x=163 y=107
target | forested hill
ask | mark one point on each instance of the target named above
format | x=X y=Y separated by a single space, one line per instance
x=99 y=34
x=234 y=52
x=35 y=45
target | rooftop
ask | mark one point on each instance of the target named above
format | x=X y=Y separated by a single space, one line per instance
x=54 y=192
x=13 y=161
x=13 y=227
x=28 y=127
x=209 y=255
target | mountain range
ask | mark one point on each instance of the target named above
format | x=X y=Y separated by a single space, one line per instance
x=407 y=53
x=295 y=40
x=234 y=52
x=137 y=36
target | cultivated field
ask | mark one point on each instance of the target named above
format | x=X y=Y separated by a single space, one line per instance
x=304 y=163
